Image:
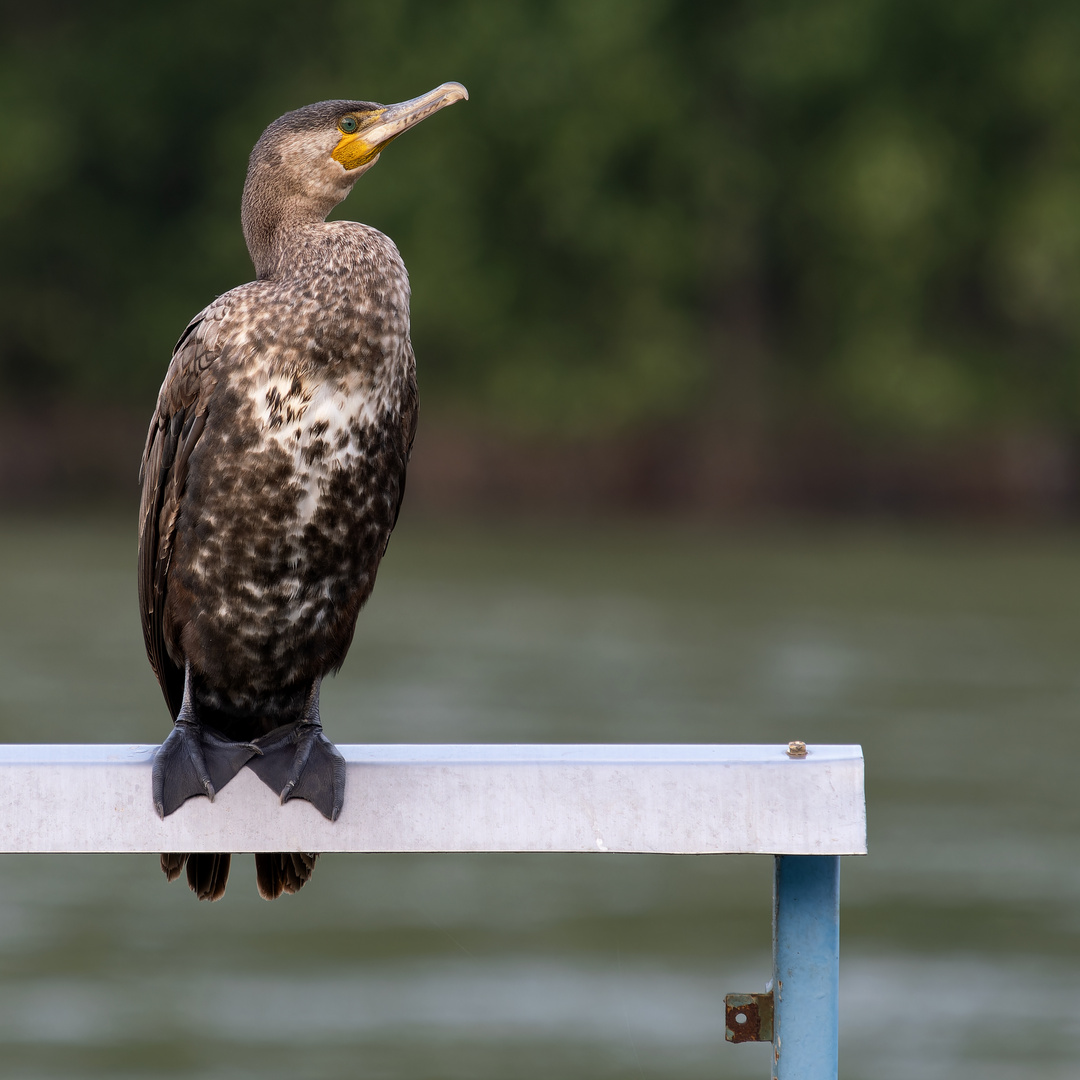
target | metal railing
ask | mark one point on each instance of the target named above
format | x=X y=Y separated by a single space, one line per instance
x=806 y=808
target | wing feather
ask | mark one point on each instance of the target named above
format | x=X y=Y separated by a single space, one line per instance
x=410 y=413
x=178 y=421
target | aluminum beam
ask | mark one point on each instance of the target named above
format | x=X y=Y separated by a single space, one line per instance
x=678 y=799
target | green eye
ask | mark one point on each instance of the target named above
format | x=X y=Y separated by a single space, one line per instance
x=348 y=125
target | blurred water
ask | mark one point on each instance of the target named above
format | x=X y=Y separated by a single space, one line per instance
x=951 y=658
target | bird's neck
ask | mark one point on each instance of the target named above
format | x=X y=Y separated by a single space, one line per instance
x=277 y=246
x=276 y=222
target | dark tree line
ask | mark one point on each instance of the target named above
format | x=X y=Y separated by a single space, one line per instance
x=858 y=213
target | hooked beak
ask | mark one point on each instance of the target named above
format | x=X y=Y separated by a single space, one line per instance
x=383 y=125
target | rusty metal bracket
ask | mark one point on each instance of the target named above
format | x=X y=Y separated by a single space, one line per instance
x=749 y=1017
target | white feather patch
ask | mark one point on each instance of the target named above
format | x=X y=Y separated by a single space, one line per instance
x=297 y=414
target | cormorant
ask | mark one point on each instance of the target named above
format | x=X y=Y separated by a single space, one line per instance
x=272 y=477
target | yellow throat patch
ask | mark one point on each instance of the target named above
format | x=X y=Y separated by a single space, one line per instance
x=352 y=150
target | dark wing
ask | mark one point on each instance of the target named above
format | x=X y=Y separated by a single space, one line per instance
x=410 y=411
x=178 y=421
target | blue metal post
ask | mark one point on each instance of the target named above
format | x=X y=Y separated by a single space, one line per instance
x=806 y=967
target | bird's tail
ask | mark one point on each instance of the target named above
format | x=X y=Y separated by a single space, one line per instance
x=285 y=872
x=208 y=874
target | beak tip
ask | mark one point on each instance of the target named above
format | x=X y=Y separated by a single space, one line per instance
x=455 y=91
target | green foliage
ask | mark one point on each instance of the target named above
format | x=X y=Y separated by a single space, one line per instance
x=862 y=210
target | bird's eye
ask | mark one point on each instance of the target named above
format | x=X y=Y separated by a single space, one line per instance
x=348 y=125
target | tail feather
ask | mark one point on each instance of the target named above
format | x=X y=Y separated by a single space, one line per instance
x=207 y=873
x=171 y=865
x=282 y=872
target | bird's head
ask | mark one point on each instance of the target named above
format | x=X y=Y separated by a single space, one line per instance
x=307 y=161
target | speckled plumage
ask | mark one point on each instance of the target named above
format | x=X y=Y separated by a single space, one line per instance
x=302 y=394
x=275 y=461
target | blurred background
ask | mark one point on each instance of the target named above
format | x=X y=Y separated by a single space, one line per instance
x=750 y=366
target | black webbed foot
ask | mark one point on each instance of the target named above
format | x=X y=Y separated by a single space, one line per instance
x=299 y=762
x=193 y=761
x=180 y=770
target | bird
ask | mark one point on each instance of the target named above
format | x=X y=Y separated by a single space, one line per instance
x=272 y=477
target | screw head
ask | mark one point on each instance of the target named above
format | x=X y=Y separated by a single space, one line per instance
x=796 y=748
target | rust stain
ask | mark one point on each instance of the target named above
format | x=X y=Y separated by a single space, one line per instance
x=749 y=1017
